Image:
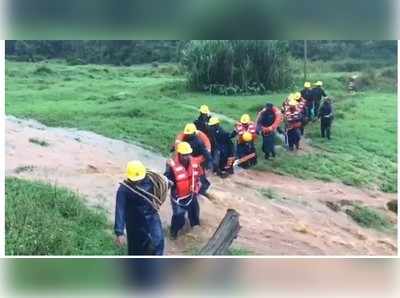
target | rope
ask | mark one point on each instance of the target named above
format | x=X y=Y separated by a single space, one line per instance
x=160 y=185
x=160 y=188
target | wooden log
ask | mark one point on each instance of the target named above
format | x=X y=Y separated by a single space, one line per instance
x=223 y=237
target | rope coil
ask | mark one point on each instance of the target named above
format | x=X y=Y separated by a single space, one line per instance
x=160 y=189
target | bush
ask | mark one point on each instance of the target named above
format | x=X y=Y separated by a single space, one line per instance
x=74 y=61
x=242 y=66
x=390 y=72
x=364 y=80
x=42 y=143
x=349 y=65
x=169 y=69
x=42 y=70
x=38 y=58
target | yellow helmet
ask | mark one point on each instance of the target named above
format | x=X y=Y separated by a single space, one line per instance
x=135 y=170
x=213 y=121
x=307 y=85
x=290 y=97
x=297 y=96
x=247 y=137
x=190 y=129
x=245 y=118
x=184 y=148
x=319 y=83
x=204 y=109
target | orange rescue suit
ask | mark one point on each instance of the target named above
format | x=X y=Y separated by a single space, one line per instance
x=187 y=181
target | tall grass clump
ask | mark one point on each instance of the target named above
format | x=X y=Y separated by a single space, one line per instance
x=237 y=66
x=369 y=218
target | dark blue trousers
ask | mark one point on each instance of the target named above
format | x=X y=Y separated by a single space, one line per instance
x=294 y=138
x=179 y=212
x=268 y=146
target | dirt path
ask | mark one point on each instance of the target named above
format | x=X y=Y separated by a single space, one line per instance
x=295 y=221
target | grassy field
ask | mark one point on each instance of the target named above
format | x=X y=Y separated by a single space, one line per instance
x=44 y=220
x=149 y=105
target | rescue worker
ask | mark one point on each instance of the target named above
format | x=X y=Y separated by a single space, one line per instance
x=246 y=133
x=306 y=93
x=317 y=93
x=224 y=150
x=199 y=149
x=202 y=121
x=293 y=119
x=267 y=122
x=202 y=125
x=301 y=102
x=326 y=116
x=183 y=171
x=302 y=107
x=135 y=209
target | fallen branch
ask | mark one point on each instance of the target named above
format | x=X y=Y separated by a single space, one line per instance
x=223 y=237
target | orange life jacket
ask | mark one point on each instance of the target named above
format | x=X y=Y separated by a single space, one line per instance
x=242 y=128
x=293 y=118
x=187 y=180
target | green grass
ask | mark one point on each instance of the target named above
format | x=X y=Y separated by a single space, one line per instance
x=369 y=218
x=148 y=105
x=45 y=220
x=363 y=148
x=348 y=65
x=232 y=251
x=239 y=251
x=65 y=275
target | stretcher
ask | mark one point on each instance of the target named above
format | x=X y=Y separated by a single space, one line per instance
x=245 y=158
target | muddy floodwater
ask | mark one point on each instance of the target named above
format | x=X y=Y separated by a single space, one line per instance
x=295 y=220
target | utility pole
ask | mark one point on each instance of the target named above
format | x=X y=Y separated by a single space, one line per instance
x=305 y=60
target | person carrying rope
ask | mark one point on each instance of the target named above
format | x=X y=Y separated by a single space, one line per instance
x=183 y=172
x=138 y=201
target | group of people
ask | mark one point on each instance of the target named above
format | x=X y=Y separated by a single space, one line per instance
x=302 y=107
x=314 y=110
x=203 y=147
x=237 y=147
